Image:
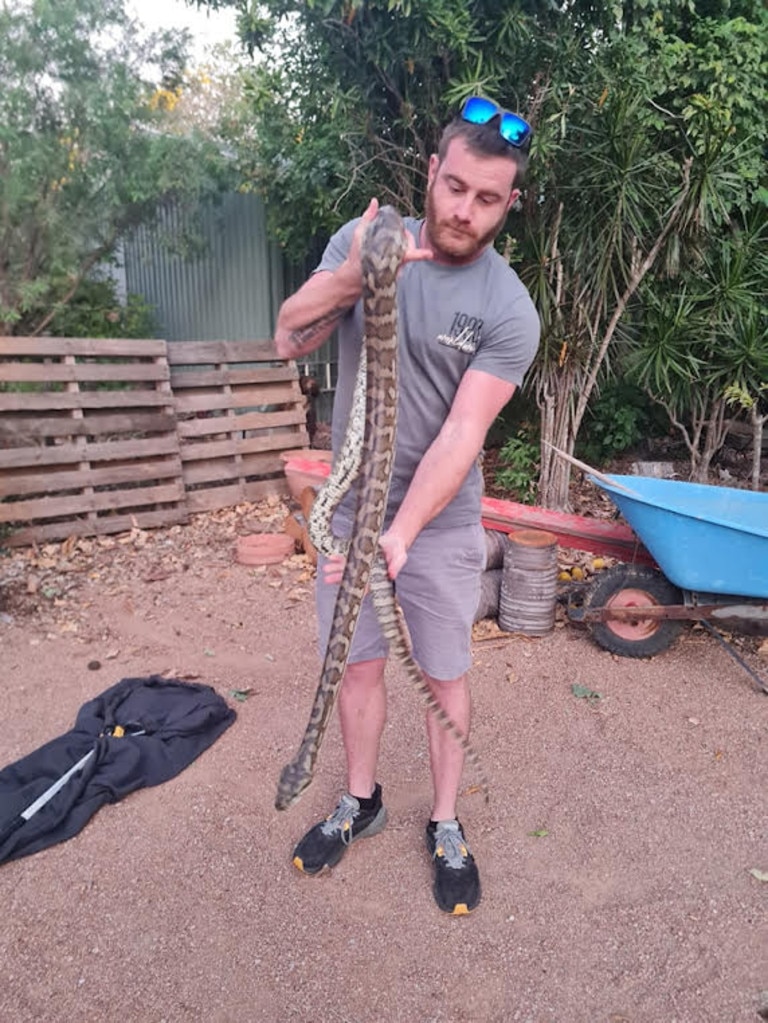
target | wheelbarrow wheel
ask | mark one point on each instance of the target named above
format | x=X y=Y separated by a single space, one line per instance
x=634 y=586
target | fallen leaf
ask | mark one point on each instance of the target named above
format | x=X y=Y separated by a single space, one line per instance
x=241 y=695
x=539 y=833
x=761 y=875
x=584 y=693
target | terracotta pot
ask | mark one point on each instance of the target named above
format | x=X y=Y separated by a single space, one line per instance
x=263 y=548
x=305 y=469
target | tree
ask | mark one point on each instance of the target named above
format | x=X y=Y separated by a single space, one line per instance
x=347 y=99
x=651 y=120
x=757 y=407
x=702 y=347
x=84 y=156
x=649 y=158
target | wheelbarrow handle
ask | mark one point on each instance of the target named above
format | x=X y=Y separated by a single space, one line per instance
x=593 y=472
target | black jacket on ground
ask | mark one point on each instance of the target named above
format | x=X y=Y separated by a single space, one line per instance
x=179 y=720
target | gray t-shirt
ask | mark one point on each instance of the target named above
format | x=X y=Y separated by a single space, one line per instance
x=450 y=319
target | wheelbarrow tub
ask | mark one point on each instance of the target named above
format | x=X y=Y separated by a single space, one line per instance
x=704 y=538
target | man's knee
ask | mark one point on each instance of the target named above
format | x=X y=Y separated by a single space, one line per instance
x=449 y=687
x=365 y=674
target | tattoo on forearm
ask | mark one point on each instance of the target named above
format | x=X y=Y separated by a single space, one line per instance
x=303 y=335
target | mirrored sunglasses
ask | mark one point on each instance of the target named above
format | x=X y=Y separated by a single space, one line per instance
x=513 y=128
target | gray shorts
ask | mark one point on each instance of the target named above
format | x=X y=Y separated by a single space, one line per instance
x=438 y=590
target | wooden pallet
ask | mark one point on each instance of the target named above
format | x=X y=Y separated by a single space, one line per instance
x=88 y=439
x=238 y=407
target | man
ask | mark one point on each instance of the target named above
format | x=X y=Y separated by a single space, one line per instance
x=468 y=333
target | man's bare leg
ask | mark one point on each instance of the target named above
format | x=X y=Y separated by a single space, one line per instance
x=445 y=754
x=363 y=713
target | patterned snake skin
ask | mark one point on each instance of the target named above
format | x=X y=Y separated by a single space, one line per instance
x=375 y=405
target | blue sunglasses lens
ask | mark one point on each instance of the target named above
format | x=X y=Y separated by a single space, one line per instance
x=478 y=110
x=512 y=128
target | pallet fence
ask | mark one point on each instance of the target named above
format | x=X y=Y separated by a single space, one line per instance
x=238 y=409
x=103 y=435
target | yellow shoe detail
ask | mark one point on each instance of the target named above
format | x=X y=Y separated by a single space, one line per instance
x=298 y=862
x=460 y=909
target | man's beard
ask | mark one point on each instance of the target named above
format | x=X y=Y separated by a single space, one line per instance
x=452 y=242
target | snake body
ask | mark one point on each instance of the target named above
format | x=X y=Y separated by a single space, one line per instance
x=374 y=414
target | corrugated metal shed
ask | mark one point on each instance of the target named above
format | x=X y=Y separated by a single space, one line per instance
x=230 y=290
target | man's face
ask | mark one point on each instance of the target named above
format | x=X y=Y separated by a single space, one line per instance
x=468 y=197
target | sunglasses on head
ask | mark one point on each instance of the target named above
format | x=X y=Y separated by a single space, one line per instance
x=512 y=127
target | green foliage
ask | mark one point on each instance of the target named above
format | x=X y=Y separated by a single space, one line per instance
x=707 y=329
x=705 y=335
x=96 y=311
x=350 y=99
x=518 y=467
x=651 y=121
x=84 y=156
x=618 y=418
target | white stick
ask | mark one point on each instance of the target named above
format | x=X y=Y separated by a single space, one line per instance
x=593 y=472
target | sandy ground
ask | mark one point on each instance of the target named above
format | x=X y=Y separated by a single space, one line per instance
x=621 y=855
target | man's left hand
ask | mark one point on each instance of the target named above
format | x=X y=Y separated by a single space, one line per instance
x=395 y=552
x=395 y=555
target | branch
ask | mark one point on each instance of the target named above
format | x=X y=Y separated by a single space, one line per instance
x=634 y=282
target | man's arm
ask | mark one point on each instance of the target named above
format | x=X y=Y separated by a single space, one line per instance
x=447 y=461
x=309 y=316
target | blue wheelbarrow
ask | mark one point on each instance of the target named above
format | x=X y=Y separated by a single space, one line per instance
x=711 y=548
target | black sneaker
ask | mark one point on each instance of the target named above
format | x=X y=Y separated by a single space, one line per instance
x=457 y=881
x=325 y=843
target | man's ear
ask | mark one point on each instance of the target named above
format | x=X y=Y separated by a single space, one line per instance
x=434 y=163
x=514 y=195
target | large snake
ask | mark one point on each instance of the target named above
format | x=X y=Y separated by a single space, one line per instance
x=374 y=413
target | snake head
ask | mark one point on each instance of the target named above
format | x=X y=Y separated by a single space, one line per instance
x=291 y=786
x=384 y=245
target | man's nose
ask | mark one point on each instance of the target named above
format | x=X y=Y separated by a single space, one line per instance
x=463 y=208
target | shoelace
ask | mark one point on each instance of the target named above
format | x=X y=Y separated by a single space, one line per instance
x=342 y=817
x=451 y=846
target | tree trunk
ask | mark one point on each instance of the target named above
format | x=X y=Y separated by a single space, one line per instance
x=714 y=438
x=555 y=399
x=758 y=425
x=571 y=381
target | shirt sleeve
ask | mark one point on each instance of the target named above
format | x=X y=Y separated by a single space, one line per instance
x=509 y=345
x=337 y=248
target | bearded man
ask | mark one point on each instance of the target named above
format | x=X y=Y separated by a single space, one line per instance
x=468 y=332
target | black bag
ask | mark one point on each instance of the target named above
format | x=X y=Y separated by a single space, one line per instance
x=141 y=732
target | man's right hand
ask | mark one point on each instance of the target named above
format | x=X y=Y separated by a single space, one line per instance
x=352 y=268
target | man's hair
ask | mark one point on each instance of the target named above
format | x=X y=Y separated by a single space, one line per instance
x=484 y=140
